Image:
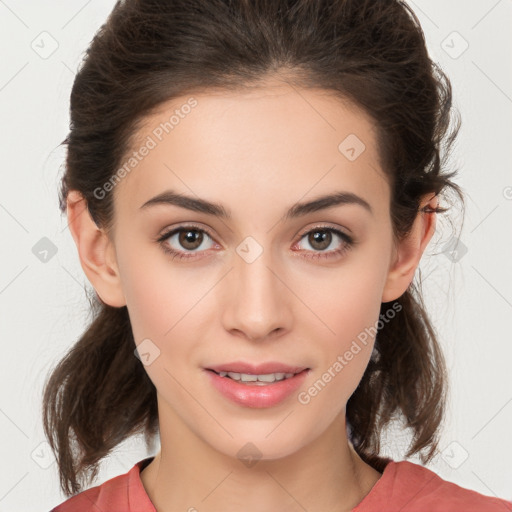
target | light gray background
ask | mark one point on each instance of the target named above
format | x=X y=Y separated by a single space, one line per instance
x=43 y=306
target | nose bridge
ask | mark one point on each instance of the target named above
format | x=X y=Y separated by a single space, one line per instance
x=258 y=304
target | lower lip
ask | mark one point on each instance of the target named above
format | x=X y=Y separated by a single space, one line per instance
x=254 y=395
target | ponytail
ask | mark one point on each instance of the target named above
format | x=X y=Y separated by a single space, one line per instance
x=406 y=377
x=97 y=396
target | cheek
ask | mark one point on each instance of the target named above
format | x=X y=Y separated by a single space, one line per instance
x=167 y=305
x=348 y=300
x=159 y=303
x=157 y=295
x=347 y=308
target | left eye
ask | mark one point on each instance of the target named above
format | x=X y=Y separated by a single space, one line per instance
x=322 y=238
x=192 y=237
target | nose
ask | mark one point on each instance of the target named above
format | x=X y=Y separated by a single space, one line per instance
x=257 y=302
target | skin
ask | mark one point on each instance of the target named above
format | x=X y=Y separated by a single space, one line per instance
x=257 y=153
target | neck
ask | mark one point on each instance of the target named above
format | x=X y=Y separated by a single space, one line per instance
x=326 y=474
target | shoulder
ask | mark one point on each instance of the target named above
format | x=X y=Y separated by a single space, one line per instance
x=410 y=487
x=123 y=493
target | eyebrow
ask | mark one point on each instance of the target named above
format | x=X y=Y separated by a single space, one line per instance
x=169 y=197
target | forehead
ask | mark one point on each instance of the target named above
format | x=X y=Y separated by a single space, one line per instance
x=271 y=142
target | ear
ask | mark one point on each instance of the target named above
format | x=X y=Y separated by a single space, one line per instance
x=408 y=253
x=96 y=251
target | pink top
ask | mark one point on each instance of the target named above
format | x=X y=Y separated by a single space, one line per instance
x=404 y=486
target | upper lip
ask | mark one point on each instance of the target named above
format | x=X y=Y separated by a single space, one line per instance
x=256 y=369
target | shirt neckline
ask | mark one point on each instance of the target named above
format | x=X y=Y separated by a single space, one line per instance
x=138 y=497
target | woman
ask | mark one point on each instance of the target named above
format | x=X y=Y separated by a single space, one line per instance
x=251 y=185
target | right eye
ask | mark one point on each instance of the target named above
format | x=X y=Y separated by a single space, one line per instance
x=189 y=237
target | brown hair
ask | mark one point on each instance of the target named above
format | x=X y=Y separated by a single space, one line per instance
x=371 y=52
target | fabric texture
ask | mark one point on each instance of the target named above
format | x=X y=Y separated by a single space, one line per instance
x=403 y=487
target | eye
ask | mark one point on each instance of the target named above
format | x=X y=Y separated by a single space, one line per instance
x=191 y=238
x=321 y=237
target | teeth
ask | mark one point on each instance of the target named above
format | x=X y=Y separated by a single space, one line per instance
x=247 y=377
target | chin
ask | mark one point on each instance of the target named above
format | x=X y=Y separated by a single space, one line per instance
x=265 y=444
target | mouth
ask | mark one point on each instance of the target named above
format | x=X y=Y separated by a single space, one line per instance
x=258 y=379
x=262 y=374
x=257 y=386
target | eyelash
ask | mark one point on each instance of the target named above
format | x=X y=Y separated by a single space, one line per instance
x=348 y=242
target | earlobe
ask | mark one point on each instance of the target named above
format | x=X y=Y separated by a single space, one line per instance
x=408 y=253
x=95 y=250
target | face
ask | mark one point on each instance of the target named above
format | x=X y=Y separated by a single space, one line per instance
x=258 y=284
